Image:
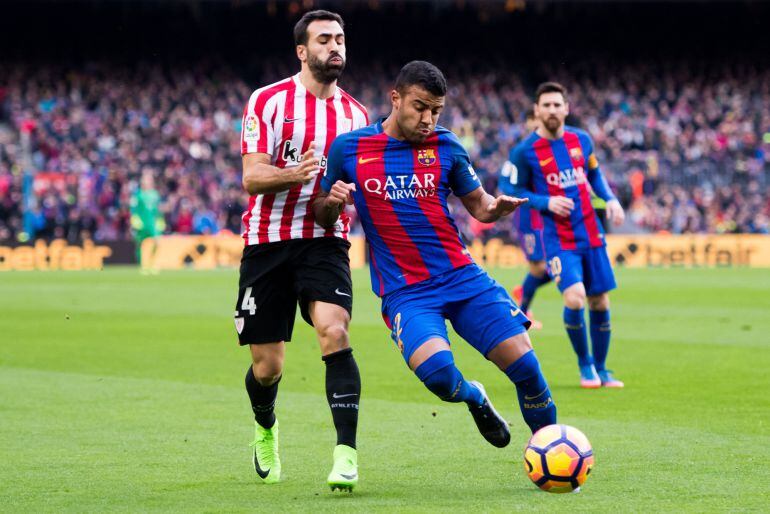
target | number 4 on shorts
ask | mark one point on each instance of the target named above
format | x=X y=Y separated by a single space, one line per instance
x=248 y=303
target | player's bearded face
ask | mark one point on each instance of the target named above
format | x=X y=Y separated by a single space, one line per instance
x=551 y=110
x=417 y=113
x=325 y=50
x=326 y=71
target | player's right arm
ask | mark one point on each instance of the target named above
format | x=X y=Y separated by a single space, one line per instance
x=335 y=192
x=519 y=177
x=260 y=177
x=257 y=145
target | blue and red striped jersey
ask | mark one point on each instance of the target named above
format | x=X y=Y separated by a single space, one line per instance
x=401 y=199
x=540 y=168
x=527 y=220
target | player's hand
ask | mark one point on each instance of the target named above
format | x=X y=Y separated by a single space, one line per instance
x=560 y=205
x=615 y=212
x=340 y=194
x=308 y=167
x=503 y=205
x=136 y=222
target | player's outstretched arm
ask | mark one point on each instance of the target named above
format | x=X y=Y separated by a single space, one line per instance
x=486 y=208
x=261 y=177
x=328 y=206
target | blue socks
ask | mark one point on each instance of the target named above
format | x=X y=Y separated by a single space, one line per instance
x=599 y=322
x=576 y=330
x=535 y=400
x=442 y=378
x=529 y=287
x=600 y=336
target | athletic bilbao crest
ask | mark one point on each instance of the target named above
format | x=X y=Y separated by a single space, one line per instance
x=239 y=322
x=426 y=157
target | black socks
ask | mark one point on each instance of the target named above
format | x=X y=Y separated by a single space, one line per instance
x=343 y=390
x=262 y=399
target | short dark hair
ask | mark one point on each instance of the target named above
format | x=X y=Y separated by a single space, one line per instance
x=550 y=87
x=300 y=29
x=423 y=74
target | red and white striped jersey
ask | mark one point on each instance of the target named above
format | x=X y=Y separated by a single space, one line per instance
x=282 y=119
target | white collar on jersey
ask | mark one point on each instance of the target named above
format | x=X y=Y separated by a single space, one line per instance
x=303 y=89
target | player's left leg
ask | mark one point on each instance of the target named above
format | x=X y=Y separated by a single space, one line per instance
x=434 y=365
x=324 y=288
x=534 y=250
x=503 y=339
x=536 y=278
x=343 y=389
x=516 y=358
x=567 y=270
x=599 y=279
x=139 y=238
x=146 y=242
x=415 y=317
x=600 y=327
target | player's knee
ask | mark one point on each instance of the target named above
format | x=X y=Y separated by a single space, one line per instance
x=440 y=375
x=510 y=350
x=537 y=269
x=574 y=299
x=599 y=302
x=267 y=372
x=333 y=337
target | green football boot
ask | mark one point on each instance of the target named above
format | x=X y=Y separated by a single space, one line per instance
x=267 y=464
x=344 y=475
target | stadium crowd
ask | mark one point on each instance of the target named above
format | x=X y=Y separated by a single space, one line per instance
x=686 y=146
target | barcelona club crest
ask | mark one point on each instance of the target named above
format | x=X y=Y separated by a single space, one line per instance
x=575 y=153
x=426 y=157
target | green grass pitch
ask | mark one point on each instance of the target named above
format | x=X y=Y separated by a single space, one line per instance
x=122 y=392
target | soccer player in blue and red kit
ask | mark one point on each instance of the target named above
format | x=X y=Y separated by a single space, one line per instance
x=556 y=168
x=399 y=173
x=529 y=229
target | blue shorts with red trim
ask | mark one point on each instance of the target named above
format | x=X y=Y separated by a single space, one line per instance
x=591 y=266
x=480 y=310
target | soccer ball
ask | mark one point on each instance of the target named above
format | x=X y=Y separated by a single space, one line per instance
x=558 y=458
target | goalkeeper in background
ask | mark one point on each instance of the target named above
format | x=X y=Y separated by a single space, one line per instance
x=146 y=220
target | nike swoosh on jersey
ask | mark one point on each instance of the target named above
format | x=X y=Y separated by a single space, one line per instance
x=260 y=472
x=340 y=292
x=545 y=162
x=291 y=120
x=361 y=160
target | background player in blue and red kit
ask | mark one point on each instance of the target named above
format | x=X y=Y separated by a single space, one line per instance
x=399 y=173
x=529 y=230
x=555 y=168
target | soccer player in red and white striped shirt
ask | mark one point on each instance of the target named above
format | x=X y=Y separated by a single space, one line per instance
x=288 y=128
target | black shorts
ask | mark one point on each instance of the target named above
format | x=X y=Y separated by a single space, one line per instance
x=275 y=276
